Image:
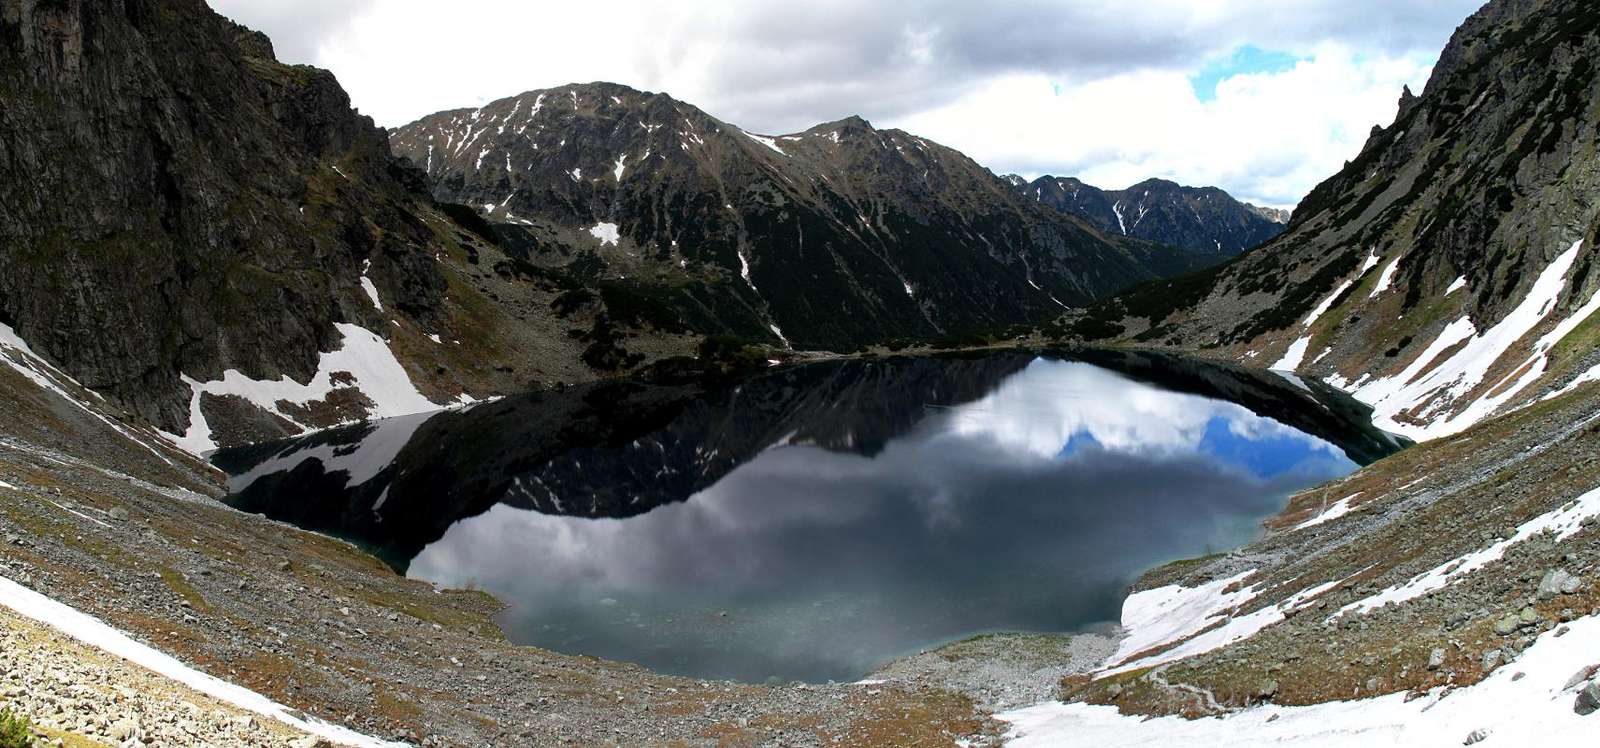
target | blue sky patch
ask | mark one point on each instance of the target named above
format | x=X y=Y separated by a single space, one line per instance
x=1244 y=61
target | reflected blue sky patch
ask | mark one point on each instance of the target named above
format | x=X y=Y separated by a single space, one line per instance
x=1030 y=508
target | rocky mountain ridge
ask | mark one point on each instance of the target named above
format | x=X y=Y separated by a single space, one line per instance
x=1444 y=275
x=218 y=244
x=1158 y=210
x=834 y=238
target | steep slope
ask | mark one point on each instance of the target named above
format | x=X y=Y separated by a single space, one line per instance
x=1190 y=218
x=218 y=243
x=833 y=238
x=1444 y=274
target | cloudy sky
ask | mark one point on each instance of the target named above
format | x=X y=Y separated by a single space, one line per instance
x=1263 y=98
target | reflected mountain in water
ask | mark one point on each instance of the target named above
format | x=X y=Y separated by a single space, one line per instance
x=619 y=449
x=809 y=522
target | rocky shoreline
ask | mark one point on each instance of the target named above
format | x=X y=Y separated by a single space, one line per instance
x=313 y=623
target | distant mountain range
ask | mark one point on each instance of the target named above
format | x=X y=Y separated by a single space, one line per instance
x=833 y=238
x=1189 y=218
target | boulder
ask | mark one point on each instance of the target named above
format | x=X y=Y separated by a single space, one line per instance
x=1588 y=700
x=1551 y=584
x=1583 y=674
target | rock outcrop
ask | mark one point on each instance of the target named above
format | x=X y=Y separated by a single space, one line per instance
x=1445 y=273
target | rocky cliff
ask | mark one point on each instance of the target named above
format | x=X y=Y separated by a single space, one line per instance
x=1197 y=219
x=1444 y=274
x=218 y=243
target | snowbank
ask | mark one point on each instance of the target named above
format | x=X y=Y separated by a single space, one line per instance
x=1532 y=710
x=96 y=633
x=363 y=355
x=1441 y=390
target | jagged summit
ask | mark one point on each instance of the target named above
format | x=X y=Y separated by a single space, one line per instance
x=897 y=236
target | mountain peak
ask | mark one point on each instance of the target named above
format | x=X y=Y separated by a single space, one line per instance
x=852 y=123
x=1196 y=219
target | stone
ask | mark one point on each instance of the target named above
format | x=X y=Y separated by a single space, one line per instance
x=1571 y=586
x=1528 y=617
x=1588 y=700
x=119 y=514
x=1583 y=674
x=1506 y=626
x=1551 y=584
x=1475 y=737
x=1268 y=689
x=1436 y=658
x=1491 y=658
x=123 y=730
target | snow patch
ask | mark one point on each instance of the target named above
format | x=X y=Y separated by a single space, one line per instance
x=1521 y=705
x=1294 y=356
x=1589 y=376
x=1456 y=285
x=1564 y=522
x=362 y=355
x=1339 y=509
x=1385 y=278
x=607 y=233
x=766 y=141
x=1163 y=615
x=366 y=285
x=1443 y=388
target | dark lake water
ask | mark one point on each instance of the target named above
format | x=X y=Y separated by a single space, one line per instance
x=812 y=522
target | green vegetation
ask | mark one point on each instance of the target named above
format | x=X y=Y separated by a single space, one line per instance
x=731 y=353
x=14 y=732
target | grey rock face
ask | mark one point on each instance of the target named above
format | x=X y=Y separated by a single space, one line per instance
x=1484 y=178
x=177 y=201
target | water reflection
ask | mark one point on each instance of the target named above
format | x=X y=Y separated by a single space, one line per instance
x=836 y=515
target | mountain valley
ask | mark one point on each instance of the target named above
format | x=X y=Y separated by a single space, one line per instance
x=212 y=265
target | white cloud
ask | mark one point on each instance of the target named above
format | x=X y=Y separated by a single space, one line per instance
x=978 y=78
x=1267 y=138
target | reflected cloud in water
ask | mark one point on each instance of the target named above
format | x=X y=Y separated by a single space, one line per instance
x=1029 y=508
